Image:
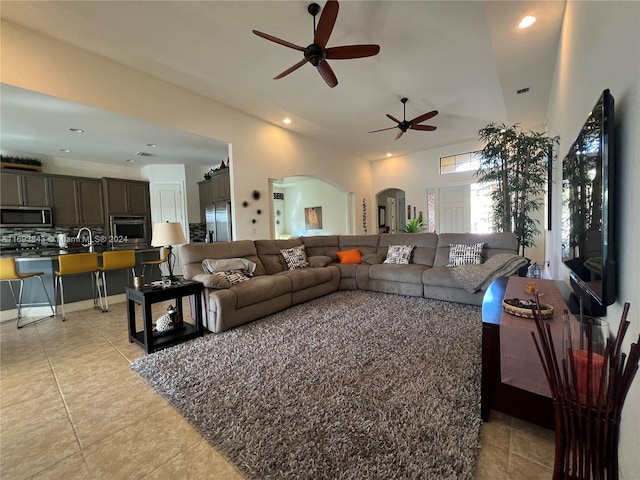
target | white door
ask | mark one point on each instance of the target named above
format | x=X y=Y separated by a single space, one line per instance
x=392 y=215
x=455 y=209
x=167 y=205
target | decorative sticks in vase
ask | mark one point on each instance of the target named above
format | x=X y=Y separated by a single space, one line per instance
x=588 y=388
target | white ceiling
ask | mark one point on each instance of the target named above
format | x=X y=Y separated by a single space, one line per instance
x=464 y=59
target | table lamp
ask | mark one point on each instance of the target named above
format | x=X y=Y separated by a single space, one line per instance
x=166 y=235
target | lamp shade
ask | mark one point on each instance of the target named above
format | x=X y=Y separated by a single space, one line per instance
x=168 y=233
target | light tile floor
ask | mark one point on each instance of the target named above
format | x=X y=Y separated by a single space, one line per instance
x=71 y=408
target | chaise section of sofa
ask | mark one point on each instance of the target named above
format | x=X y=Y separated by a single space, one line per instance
x=440 y=282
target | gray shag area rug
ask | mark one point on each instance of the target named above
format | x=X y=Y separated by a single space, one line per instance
x=353 y=385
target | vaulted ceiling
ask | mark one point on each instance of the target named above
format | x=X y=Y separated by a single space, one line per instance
x=465 y=59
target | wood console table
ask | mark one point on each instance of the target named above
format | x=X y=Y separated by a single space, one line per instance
x=496 y=395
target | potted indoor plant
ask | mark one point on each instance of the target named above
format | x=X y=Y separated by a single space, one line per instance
x=514 y=166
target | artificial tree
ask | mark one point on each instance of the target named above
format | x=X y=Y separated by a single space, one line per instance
x=514 y=166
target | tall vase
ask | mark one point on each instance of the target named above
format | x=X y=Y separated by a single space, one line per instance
x=589 y=380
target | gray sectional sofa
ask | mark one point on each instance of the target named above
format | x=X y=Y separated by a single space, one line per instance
x=274 y=287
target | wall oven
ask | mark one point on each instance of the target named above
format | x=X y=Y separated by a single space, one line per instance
x=129 y=231
x=25 y=217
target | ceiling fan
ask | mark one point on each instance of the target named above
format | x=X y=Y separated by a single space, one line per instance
x=317 y=54
x=405 y=124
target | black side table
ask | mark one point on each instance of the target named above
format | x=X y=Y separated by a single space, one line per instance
x=147 y=296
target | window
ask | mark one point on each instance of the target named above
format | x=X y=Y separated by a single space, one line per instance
x=463 y=162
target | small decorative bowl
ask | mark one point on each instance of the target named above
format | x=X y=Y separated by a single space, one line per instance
x=525 y=308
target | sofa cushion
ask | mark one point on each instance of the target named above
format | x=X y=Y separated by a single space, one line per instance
x=424 y=252
x=494 y=243
x=350 y=256
x=399 y=254
x=303 y=278
x=366 y=243
x=295 y=257
x=270 y=255
x=372 y=258
x=319 y=261
x=439 y=277
x=465 y=254
x=325 y=245
x=410 y=273
x=260 y=289
x=192 y=255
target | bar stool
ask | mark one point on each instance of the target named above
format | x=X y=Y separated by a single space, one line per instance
x=73 y=264
x=9 y=273
x=117 y=260
x=163 y=259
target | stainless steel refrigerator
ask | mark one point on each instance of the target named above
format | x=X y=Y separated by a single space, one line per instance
x=218 y=218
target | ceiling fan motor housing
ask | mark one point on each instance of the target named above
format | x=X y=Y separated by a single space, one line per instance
x=314 y=54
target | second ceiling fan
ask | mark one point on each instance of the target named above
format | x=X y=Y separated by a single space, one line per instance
x=405 y=124
x=317 y=54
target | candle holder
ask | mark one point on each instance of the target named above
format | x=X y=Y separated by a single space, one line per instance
x=589 y=378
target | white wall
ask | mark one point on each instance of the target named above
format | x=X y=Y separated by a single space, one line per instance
x=258 y=150
x=599 y=49
x=307 y=193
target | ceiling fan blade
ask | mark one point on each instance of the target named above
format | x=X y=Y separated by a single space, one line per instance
x=352 y=51
x=382 y=129
x=400 y=133
x=291 y=69
x=327 y=73
x=425 y=128
x=424 y=117
x=326 y=23
x=278 y=40
x=393 y=118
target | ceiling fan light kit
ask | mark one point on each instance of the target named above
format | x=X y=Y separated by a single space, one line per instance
x=317 y=52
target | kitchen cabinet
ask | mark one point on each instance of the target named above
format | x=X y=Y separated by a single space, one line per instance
x=215 y=190
x=126 y=197
x=90 y=201
x=76 y=201
x=24 y=189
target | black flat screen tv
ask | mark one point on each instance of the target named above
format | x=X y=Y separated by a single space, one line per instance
x=588 y=214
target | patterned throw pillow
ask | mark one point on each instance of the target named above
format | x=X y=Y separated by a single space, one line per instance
x=233 y=276
x=295 y=257
x=399 y=254
x=461 y=254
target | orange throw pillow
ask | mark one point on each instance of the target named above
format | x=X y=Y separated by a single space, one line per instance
x=350 y=256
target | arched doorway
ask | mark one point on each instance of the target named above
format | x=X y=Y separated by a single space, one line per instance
x=309 y=206
x=392 y=214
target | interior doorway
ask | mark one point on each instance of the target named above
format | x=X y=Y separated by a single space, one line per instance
x=392 y=200
x=309 y=206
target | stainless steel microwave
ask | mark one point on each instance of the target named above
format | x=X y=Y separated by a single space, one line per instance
x=25 y=217
x=129 y=231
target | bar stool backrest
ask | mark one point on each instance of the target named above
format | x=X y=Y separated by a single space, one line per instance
x=8 y=269
x=77 y=263
x=118 y=259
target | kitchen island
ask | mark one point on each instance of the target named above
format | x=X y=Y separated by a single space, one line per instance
x=77 y=287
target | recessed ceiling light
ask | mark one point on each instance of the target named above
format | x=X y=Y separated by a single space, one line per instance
x=65 y=150
x=76 y=130
x=527 y=21
x=152 y=145
x=389 y=154
x=286 y=121
x=131 y=160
